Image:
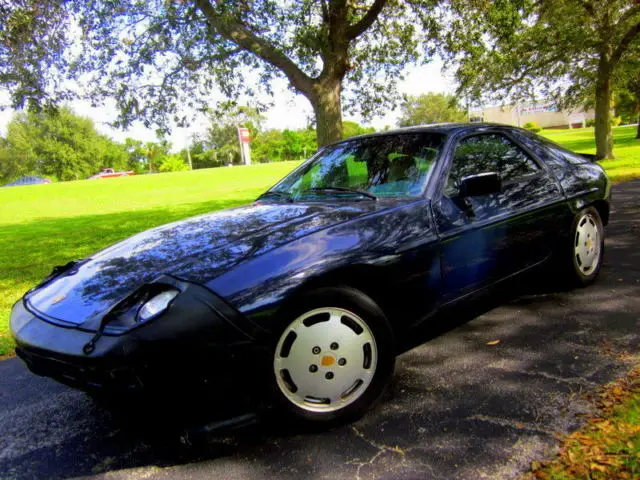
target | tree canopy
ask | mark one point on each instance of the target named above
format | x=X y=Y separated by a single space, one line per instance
x=430 y=108
x=157 y=57
x=570 y=50
x=61 y=145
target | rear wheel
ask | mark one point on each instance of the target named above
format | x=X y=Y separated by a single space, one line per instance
x=334 y=357
x=587 y=247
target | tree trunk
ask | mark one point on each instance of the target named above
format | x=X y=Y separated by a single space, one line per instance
x=604 y=137
x=638 y=131
x=327 y=107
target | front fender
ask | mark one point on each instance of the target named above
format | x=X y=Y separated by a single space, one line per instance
x=382 y=244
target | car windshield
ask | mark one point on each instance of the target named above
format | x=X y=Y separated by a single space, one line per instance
x=395 y=165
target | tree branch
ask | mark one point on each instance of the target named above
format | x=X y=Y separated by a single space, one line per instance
x=628 y=14
x=365 y=22
x=234 y=31
x=325 y=12
x=588 y=6
x=631 y=34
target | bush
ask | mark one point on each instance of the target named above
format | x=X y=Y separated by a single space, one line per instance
x=615 y=121
x=173 y=163
x=532 y=127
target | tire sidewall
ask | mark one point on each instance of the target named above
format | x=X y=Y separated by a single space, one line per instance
x=360 y=304
x=579 y=276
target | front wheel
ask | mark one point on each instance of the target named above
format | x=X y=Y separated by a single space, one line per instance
x=334 y=358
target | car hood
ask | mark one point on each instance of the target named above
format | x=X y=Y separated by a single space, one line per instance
x=197 y=249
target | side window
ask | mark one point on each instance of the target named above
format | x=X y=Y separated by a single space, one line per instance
x=516 y=163
x=488 y=153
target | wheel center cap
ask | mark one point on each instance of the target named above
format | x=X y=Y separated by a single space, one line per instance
x=327 y=360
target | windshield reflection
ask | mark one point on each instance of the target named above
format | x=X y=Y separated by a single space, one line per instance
x=397 y=165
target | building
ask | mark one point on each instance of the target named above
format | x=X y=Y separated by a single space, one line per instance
x=545 y=114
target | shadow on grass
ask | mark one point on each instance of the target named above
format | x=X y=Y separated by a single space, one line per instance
x=39 y=245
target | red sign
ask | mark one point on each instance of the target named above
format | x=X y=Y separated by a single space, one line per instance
x=243 y=133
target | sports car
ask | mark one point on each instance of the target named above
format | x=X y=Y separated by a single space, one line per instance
x=302 y=299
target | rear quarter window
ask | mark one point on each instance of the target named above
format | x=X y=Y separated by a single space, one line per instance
x=551 y=153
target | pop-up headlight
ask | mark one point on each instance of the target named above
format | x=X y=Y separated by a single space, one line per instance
x=156 y=305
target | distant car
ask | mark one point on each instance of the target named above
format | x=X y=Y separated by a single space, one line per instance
x=111 y=173
x=28 y=180
x=302 y=299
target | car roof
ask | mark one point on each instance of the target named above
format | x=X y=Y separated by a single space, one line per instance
x=440 y=128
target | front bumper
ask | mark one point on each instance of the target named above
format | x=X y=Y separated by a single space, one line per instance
x=199 y=343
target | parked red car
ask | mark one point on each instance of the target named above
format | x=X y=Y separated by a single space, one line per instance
x=110 y=173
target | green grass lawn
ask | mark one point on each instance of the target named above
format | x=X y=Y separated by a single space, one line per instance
x=46 y=225
x=627 y=149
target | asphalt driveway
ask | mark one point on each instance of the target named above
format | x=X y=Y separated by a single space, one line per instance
x=458 y=408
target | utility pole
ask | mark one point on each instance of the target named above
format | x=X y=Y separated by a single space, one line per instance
x=189 y=152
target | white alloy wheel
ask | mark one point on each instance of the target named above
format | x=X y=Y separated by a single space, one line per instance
x=586 y=245
x=325 y=359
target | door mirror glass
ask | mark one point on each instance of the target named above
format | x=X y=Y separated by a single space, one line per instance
x=480 y=184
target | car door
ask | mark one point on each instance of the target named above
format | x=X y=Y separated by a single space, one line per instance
x=489 y=237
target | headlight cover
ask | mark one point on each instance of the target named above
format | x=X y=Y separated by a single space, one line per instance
x=156 y=305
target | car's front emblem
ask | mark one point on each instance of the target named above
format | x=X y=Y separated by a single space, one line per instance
x=58 y=299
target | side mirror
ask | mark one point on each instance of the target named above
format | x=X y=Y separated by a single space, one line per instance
x=480 y=184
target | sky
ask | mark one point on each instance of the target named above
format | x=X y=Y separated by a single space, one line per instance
x=288 y=111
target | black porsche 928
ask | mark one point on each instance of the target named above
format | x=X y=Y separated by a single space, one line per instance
x=302 y=299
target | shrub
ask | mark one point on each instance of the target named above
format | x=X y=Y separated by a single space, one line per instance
x=615 y=121
x=591 y=123
x=532 y=127
x=173 y=163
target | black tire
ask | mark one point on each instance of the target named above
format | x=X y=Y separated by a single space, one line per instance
x=358 y=303
x=575 y=272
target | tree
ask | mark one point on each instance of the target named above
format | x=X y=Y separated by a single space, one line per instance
x=57 y=144
x=430 y=108
x=156 y=57
x=222 y=134
x=627 y=85
x=137 y=154
x=351 y=129
x=156 y=153
x=276 y=145
x=567 y=49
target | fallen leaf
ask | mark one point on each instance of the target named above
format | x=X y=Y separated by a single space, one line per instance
x=493 y=342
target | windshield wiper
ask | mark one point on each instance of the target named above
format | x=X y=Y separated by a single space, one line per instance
x=286 y=195
x=364 y=193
